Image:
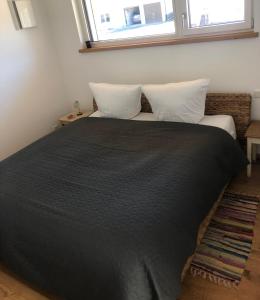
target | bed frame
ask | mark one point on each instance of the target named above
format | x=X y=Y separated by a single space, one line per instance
x=236 y=105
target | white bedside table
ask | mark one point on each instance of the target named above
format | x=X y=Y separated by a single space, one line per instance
x=253 y=139
x=69 y=118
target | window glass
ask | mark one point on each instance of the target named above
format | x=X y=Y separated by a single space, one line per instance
x=204 y=13
x=120 y=19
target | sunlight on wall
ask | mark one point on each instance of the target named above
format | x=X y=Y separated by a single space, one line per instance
x=31 y=89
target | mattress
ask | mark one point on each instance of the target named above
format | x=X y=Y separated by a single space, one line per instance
x=224 y=122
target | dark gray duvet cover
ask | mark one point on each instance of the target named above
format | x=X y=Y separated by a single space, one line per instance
x=109 y=209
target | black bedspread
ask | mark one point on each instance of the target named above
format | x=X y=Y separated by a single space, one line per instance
x=109 y=209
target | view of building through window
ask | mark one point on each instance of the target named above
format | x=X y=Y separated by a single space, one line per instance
x=119 y=19
x=212 y=12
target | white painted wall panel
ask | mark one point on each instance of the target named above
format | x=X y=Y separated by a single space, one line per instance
x=32 y=94
x=233 y=66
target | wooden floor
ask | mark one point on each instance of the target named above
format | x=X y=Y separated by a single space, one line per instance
x=193 y=288
x=249 y=288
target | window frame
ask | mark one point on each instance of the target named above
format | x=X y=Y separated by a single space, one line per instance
x=85 y=22
x=235 y=26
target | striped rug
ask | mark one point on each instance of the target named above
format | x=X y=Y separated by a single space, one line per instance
x=226 y=245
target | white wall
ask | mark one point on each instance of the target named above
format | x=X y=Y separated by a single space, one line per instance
x=233 y=66
x=31 y=89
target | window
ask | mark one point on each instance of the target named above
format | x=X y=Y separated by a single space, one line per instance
x=105 y=18
x=114 y=20
x=129 y=18
x=204 y=16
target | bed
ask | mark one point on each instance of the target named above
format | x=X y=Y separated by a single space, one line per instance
x=110 y=209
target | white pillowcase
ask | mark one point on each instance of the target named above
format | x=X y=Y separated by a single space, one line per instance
x=117 y=100
x=178 y=102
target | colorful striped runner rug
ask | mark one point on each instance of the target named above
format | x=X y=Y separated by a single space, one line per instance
x=224 y=250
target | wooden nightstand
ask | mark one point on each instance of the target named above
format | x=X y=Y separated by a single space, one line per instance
x=253 y=139
x=69 y=118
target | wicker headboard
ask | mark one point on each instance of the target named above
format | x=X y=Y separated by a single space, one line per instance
x=236 y=105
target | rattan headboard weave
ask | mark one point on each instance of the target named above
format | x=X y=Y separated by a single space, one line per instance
x=236 y=105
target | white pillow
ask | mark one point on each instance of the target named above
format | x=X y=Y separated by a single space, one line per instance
x=178 y=102
x=117 y=100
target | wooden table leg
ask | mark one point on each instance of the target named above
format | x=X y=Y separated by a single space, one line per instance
x=249 y=157
x=254 y=150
